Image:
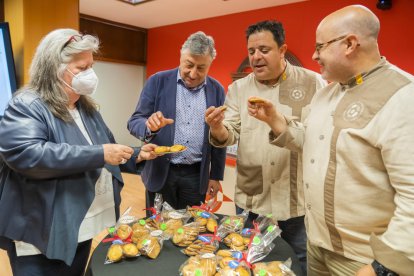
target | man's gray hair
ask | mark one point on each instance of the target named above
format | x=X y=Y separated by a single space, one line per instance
x=200 y=44
x=54 y=52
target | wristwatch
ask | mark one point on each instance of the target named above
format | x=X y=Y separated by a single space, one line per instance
x=381 y=270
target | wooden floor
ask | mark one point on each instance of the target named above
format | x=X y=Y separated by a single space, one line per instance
x=132 y=195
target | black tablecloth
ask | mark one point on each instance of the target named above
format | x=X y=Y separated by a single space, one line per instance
x=169 y=261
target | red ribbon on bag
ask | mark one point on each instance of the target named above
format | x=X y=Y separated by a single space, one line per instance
x=116 y=237
x=214 y=236
x=153 y=212
x=209 y=206
x=244 y=259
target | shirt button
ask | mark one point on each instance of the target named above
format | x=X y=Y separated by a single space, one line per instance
x=312 y=160
x=272 y=163
x=321 y=137
x=308 y=206
x=273 y=181
x=307 y=185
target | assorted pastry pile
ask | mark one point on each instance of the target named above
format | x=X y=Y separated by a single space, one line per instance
x=200 y=235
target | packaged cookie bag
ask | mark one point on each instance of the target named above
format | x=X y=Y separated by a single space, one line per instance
x=204 y=215
x=184 y=236
x=274 y=268
x=153 y=222
x=234 y=223
x=205 y=243
x=120 y=250
x=151 y=245
x=199 y=265
x=172 y=219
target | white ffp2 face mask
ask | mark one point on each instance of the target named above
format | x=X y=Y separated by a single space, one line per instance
x=85 y=82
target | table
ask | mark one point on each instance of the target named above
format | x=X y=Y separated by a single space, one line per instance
x=169 y=261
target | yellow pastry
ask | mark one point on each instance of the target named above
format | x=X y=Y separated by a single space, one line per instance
x=115 y=253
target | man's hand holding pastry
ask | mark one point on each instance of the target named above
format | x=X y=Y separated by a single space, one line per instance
x=265 y=111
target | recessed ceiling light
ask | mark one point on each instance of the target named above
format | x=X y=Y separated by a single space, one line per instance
x=135 y=2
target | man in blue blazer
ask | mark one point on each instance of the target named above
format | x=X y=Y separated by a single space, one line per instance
x=171 y=111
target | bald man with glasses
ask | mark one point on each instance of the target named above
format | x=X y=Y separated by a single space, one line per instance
x=358 y=158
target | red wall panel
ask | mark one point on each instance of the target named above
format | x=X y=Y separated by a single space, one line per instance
x=300 y=21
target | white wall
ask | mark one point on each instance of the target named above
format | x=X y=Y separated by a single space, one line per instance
x=118 y=91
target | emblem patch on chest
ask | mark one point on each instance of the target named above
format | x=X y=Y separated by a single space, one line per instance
x=353 y=111
x=297 y=95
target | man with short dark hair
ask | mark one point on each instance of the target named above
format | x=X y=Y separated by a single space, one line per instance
x=269 y=179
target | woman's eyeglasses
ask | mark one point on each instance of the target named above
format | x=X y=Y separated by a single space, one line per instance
x=72 y=38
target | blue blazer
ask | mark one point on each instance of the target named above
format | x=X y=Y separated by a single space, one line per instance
x=159 y=94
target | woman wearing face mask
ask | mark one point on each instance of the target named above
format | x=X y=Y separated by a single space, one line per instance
x=60 y=169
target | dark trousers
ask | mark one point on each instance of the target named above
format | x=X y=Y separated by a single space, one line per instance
x=40 y=265
x=293 y=232
x=181 y=189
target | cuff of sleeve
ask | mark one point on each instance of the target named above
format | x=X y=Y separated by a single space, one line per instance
x=283 y=138
x=214 y=142
x=391 y=259
x=149 y=135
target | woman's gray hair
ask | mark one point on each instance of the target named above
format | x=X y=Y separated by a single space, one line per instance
x=200 y=44
x=54 y=52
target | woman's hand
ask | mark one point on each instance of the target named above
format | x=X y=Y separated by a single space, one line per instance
x=147 y=152
x=116 y=154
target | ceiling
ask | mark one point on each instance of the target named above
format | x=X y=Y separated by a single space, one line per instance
x=158 y=13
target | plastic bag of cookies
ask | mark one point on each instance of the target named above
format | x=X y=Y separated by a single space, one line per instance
x=122 y=229
x=154 y=220
x=229 y=224
x=275 y=268
x=119 y=250
x=230 y=262
x=204 y=215
x=151 y=244
x=236 y=241
x=169 y=212
x=172 y=219
x=207 y=243
x=232 y=267
x=199 y=265
x=139 y=230
x=185 y=235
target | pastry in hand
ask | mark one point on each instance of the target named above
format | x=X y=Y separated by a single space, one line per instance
x=222 y=108
x=255 y=100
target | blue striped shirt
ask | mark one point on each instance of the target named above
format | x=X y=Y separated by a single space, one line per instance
x=189 y=122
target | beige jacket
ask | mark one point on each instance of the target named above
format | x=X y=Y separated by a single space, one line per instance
x=358 y=171
x=269 y=179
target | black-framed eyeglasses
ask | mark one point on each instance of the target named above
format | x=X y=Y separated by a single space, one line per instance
x=72 y=38
x=319 y=46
